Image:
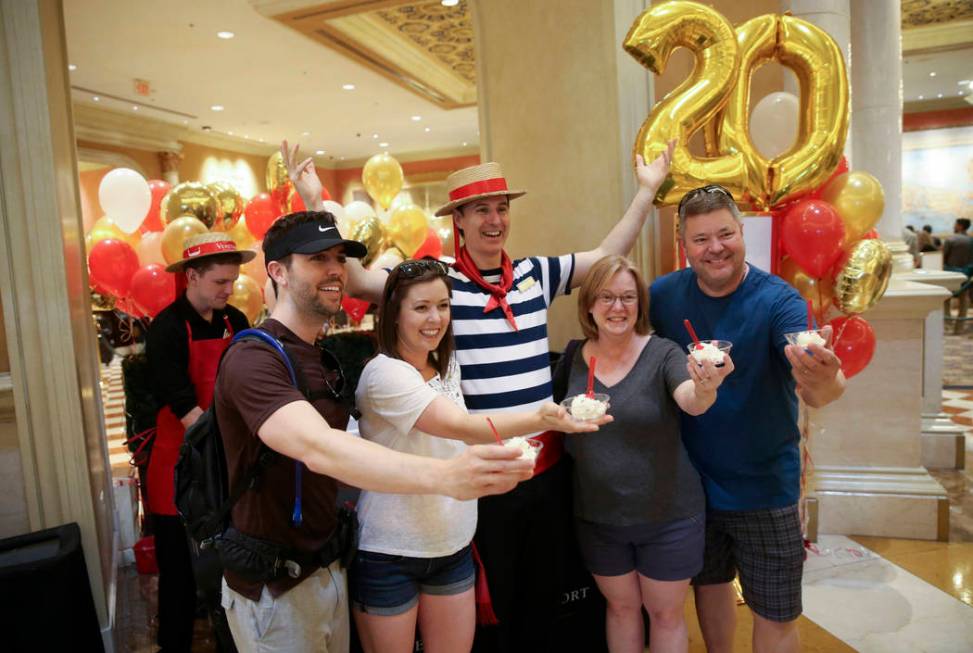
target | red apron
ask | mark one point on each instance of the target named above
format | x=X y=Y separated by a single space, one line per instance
x=204 y=361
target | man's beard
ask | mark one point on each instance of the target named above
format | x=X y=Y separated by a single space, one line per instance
x=306 y=298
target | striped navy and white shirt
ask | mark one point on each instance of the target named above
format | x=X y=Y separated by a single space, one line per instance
x=503 y=369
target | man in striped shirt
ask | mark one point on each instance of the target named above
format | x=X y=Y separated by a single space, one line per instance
x=499 y=313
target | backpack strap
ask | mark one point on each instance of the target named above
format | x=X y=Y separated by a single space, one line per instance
x=562 y=371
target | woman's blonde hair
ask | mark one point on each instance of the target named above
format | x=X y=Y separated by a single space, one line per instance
x=599 y=276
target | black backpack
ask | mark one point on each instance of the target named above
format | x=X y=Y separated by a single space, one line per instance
x=202 y=494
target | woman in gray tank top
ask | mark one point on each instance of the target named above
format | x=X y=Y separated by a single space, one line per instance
x=638 y=501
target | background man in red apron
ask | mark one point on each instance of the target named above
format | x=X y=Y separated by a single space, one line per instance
x=184 y=346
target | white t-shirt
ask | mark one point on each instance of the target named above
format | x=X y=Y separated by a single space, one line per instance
x=391 y=396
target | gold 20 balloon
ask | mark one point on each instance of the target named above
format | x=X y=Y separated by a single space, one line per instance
x=382 y=178
x=863 y=277
x=231 y=204
x=716 y=98
x=710 y=37
x=194 y=199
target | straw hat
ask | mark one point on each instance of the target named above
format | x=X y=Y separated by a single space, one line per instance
x=476 y=182
x=211 y=244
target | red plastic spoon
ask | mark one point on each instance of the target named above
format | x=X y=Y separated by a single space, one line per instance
x=495 y=433
x=810 y=316
x=692 y=333
x=591 y=377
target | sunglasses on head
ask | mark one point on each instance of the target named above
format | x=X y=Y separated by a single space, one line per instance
x=696 y=192
x=417 y=268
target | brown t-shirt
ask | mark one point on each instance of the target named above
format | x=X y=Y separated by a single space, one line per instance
x=253 y=383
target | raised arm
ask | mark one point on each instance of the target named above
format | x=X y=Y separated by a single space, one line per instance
x=445 y=419
x=298 y=431
x=622 y=236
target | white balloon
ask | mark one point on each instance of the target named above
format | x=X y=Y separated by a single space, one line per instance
x=334 y=209
x=355 y=211
x=125 y=198
x=386 y=260
x=774 y=123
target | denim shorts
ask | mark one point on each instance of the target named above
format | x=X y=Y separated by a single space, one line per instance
x=668 y=551
x=388 y=585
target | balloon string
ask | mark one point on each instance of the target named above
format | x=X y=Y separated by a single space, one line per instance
x=807 y=466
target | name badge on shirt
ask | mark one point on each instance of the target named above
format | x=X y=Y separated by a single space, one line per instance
x=524 y=285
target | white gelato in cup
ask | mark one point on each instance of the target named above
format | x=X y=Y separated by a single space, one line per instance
x=710 y=350
x=529 y=448
x=805 y=339
x=584 y=408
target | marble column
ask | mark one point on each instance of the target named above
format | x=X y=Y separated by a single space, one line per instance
x=876 y=102
x=169 y=162
x=868 y=449
x=560 y=104
x=943 y=441
x=868 y=475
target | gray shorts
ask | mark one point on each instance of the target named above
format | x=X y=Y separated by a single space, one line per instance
x=668 y=551
x=767 y=548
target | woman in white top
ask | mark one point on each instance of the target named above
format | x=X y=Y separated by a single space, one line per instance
x=414 y=563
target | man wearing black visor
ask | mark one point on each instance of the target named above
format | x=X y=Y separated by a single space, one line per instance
x=258 y=403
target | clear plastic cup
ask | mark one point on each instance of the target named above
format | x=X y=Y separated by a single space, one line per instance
x=597 y=396
x=723 y=345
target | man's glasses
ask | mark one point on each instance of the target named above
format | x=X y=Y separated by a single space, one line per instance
x=608 y=300
x=696 y=192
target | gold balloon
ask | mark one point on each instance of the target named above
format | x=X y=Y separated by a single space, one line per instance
x=176 y=232
x=817 y=62
x=231 y=204
x=248 y=297
x=819 y=291
x=408 y=228
x=698 y=100
x=382 y=177
x=241 y=235
x=369 y=232
x=278 y=182
x=105 y=228
x=193 y=199
x=859 y=200
x=863 y=277
x=818 y=65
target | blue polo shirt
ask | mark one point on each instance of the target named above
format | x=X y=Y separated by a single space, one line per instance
x=746 y=446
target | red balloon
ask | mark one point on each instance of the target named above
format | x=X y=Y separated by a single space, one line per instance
x=111 y=264
x=262 y=210
x=153 y=222
x=871 y=234
x=355 y=308
x=153 y=288
x=854 y=343
x=297 y=204
x=127 y=306
x=812 y=233
x=431 y=246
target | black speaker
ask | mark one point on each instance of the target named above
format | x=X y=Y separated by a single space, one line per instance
x=45 y=598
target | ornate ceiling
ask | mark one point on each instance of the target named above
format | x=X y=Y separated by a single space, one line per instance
x=422 y=46
x=919 y=13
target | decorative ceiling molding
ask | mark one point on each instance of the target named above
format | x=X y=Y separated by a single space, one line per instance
x=112 y=127
x=422 y=46
x=938 y=37
x=919 y=13
x=91 y=159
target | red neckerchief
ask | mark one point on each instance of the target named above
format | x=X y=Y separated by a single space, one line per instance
x=498 y=293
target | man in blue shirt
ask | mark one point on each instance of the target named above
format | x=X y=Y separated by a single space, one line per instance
x=746 y=447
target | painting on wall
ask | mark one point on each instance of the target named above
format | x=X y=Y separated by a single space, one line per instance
x=937 y=177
